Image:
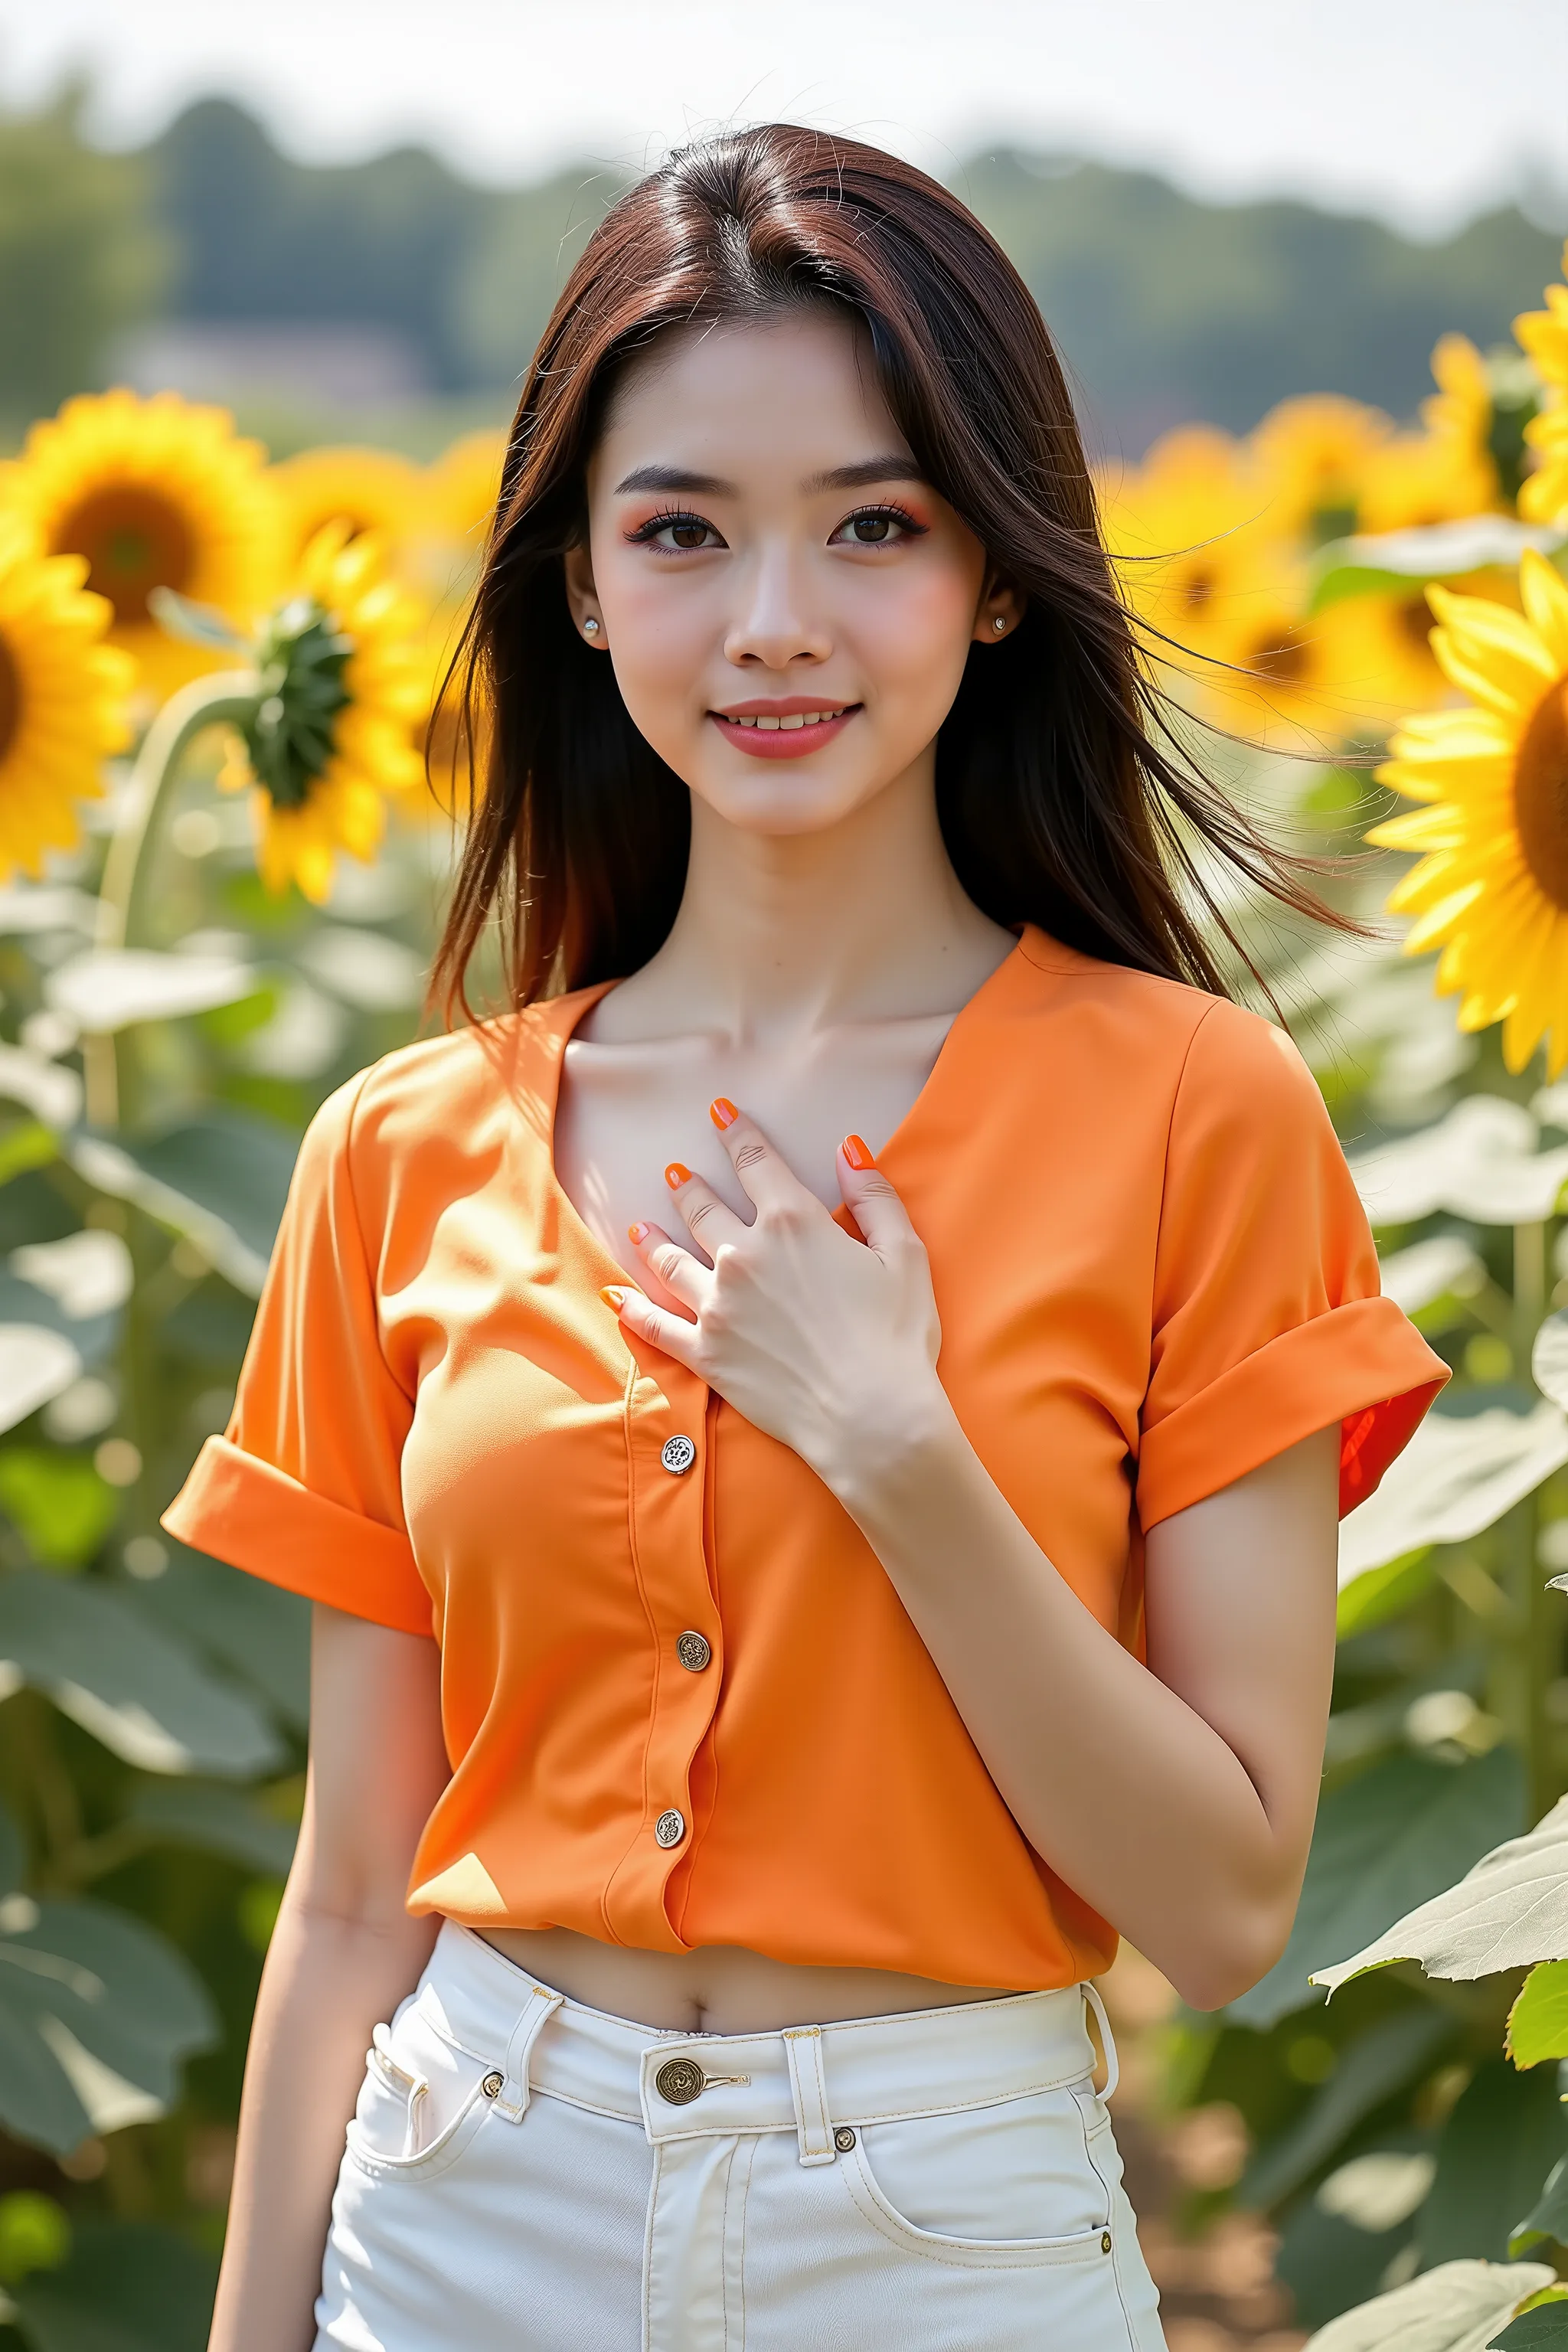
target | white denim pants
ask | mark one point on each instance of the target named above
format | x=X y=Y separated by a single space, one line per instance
x=526 y=2175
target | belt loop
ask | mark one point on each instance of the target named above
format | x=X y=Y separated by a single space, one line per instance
x=808 y=2088
x=512 y=2099
x=1108 y=2040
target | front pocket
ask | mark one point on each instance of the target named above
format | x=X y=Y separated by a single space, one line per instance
x=1014 y=2182
x=422 y=2098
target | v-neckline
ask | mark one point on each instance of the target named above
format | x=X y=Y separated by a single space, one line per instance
x=582 y=1001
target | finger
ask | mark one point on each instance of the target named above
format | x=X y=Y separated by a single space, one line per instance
x=767 y=1177
x=673 y=1264
x=657 y=1325
x=878 y=1210
x=708 y=1221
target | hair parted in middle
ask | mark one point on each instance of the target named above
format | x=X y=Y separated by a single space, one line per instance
x=1064 y=799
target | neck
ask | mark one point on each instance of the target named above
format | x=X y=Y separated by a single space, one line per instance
x=861 y=920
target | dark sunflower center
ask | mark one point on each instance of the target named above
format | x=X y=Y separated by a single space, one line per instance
x=299 y=661
x=1283 y=663
x=134 y=540
x=1413 y=616
x=1333 y=515
x=1541 y=793
x=1197 y=590
x=10 y=699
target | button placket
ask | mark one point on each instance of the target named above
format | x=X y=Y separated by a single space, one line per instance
x=667 y=1423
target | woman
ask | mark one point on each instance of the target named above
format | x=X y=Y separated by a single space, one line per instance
x=908 y=1559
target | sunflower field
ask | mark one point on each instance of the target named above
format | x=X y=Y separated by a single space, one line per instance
x=227 y=797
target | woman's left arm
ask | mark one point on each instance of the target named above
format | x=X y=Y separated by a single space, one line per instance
x=1176 y=1799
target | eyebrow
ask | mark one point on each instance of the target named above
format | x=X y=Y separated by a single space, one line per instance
x=893 y=467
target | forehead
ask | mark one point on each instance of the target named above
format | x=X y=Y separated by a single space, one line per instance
x=795 y=392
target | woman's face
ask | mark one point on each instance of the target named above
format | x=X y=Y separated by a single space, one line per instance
x=787 y=604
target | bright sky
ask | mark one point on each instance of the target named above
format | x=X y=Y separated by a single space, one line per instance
x=1420 y=110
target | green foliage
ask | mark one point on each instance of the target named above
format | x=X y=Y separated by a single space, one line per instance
x=80 y=256
x=1400 y=1831
x=1506 y=2133
x=1541 y=2327
x=126 y=2288
x=1170 y=309
x=1382 y=1592
x=1548 y=2217
x=59 y=1505
x=1538 y=2022
x=1167 y=308
x=35 y=2234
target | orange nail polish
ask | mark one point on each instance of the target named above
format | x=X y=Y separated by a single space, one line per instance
x=676 y=1175
x=635 y=1232
x=613 y=1295
x=858 y=1154
x=722 y=1111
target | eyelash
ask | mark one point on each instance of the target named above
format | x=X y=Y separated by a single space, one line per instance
x=647 y=533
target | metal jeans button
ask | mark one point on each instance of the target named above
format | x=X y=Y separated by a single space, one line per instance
x=677 y=1455
x=693 y=1650
x=670 y=1827
x=680 y=2080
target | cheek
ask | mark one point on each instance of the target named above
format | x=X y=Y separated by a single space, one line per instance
x=914 y=636
x=661 y=634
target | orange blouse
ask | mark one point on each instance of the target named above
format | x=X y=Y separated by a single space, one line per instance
x=682 y=1701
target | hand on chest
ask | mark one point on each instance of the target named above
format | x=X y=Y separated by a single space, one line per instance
x=626 y=1112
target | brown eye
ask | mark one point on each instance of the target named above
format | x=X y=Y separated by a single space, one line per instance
x=689 y=534
x=871 y=529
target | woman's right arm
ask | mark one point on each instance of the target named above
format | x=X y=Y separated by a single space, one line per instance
x=343 y=1953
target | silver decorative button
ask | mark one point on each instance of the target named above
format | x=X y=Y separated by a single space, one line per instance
x=680 y=2080
x=844 y=2139
x=677 y=1455
x=694 y=1651
x=669 y=1828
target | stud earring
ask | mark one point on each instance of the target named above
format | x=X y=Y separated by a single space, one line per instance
x=999 y=625
x=590 y=627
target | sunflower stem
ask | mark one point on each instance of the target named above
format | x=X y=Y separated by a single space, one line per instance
x=225 y=699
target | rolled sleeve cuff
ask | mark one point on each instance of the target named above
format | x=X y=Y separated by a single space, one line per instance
x=254 y=1515
x=1363 y=1365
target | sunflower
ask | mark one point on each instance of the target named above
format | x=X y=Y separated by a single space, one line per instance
x=1315 y=457
x=1543 y=334
x=1417 y=479
x=1491 y=886
x=463 y=487
x=464 y=484
x=1305 y=682
x=151 y=494
x=1460 y=419
x=369 y=489
x=341 y=685
x=62 y=695
x=437 y=732
x=1177 y=529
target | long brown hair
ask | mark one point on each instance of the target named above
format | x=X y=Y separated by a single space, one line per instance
x=1064 y=799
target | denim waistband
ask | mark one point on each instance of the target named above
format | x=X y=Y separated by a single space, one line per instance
x=808 y=2079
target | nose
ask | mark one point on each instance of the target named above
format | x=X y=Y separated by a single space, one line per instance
x=776 y=624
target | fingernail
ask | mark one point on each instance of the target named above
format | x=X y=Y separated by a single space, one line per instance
x=613 y=1296
x=722 y=1111
x=858 y=1154
x=675 y=1174
x=635 y=1232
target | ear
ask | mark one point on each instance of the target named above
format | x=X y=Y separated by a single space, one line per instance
x=586 y=617
x=1000 y=602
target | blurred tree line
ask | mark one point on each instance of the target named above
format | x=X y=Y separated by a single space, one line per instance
x=1167 y=308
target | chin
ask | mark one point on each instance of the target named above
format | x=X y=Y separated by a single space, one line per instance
x=783 y=801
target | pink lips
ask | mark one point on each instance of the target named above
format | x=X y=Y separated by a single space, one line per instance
x=805 y=733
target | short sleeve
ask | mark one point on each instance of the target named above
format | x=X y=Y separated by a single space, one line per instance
x=1268 y=1320
x=304 y=1487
